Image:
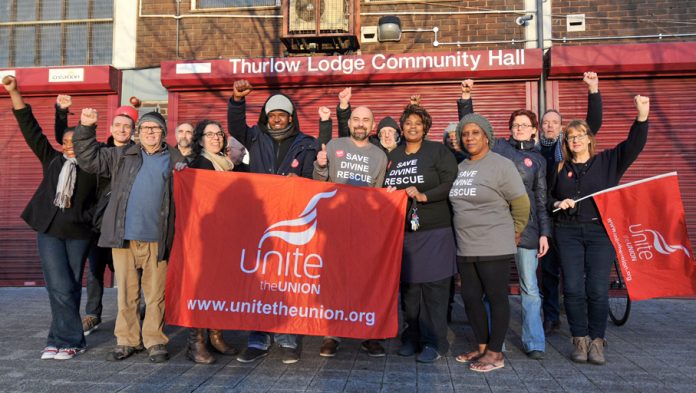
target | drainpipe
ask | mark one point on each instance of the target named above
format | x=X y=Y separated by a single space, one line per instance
x=540 y=44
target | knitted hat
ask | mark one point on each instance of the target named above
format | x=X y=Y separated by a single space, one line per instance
x=480 y=121
x=128 y=111
x=279 y=102
x=154 y=117
x=388 y=122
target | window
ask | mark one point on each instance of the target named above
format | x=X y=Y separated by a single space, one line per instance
x=209 y=4
x=55 y=32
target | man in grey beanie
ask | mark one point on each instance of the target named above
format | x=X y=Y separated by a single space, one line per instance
x=141 y=185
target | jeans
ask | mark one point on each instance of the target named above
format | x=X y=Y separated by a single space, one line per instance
x=262 y=340
x=99 y=259
x=586 y=258
x=550 y=280
x=62 y=262
x=532 y=328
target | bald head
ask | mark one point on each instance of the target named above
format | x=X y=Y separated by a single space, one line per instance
x=361 y=124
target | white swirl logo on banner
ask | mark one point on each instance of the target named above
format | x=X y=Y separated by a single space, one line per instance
x=661 y=245
x=308 y=216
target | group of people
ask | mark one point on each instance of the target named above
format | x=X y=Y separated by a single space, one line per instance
x=477 y=204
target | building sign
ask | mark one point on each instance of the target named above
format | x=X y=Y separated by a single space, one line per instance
x=66 y=75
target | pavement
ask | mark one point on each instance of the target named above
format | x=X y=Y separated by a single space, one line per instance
x=654 y=352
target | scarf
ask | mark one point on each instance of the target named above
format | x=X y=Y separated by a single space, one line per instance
x=66 y=183
x=282 y=134
x=220 y=162
x=557 y=151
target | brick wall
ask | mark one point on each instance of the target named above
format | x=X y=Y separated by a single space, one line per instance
x=213 y=38
x=625 y=18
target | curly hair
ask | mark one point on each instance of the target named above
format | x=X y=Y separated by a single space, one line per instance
x=198 y=135
x=420 y=112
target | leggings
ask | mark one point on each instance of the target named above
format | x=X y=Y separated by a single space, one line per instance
x=489 y=277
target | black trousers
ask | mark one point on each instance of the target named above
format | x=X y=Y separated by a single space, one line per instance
x=489 y=277
x=424 y=308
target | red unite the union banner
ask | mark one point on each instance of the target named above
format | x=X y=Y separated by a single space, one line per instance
x=285 y=255
x=645 y=222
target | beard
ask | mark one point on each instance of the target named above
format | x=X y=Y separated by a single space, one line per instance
x=359 y=134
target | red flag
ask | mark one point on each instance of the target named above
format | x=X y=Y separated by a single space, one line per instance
x=284 y=254
x=645 y=222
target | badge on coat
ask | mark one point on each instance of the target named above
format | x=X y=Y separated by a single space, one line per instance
x=528 y=162
x=295 y=163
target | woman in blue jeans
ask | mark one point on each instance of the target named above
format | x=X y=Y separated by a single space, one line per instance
x=61 y=212
x=584 y=247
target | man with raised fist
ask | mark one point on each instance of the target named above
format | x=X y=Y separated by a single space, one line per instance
x=138 y=225
x=276 y=146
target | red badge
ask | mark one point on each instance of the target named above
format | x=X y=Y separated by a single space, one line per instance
x=528 y=162
x=295 y=163
x=340 y=153
x=570 y=174
x=389 y=165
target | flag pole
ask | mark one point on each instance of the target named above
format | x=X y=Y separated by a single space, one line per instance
x=633 y=183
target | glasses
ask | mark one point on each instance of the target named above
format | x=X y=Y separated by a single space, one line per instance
x=211 y=135
x=580 y=137
x=150 y=129
x=521 y=126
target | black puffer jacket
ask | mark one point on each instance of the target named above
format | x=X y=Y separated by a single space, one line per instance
x=532 y=168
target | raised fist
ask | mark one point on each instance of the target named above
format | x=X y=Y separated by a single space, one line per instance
x=467 y=86
x=10 y=83
x=88 y=117
x=415 y=99
x=591 y=80
x=322 y=157
x=643 y=106
x=324 y=113
x=64 y=101
x=242 y=88
x=344 y=97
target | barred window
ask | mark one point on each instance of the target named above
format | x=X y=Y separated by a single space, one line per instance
x=209 y=4
x=55 y=32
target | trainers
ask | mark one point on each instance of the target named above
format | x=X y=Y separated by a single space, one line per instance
x=328 y=348
x=68 y=353
x=291 y=355
x=428 y=355
x=251 y=354
x=49 y=353
x=90 y=324
x=374 y=348
x=158 y=353
x=121 y=352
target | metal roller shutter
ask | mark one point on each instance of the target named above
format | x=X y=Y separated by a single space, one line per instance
x=21 y=174
x=495 y=100
x=670 y=144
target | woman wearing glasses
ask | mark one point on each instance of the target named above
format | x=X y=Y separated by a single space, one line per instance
x=209 y=146
x=584 y=246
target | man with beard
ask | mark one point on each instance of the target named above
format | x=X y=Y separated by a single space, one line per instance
x=277 y=147
x=184 y=137
x=352 y=160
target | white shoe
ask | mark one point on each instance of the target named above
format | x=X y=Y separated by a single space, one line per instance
x=68 y=353
x=49 y=353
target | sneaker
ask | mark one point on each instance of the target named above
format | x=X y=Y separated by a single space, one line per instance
x=121 y=352
x=428 y=355
x=291 y=355
x=90 y=323
x=251 y=354
x=329 y=347
x=374 y=348
x=535 y=355
x=158 y=353
x=68 y=353
x=49 y=353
